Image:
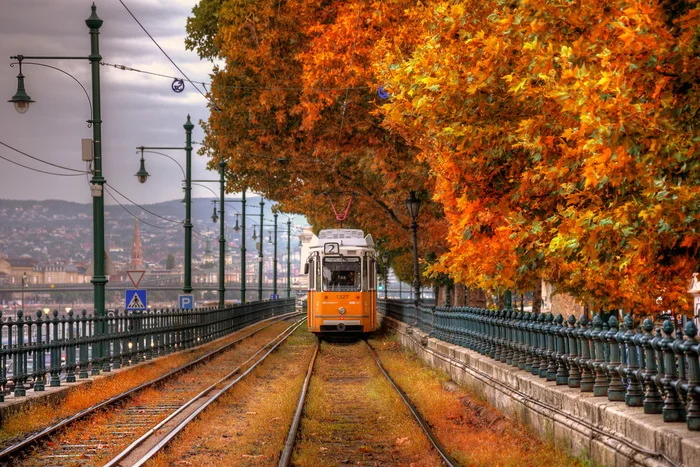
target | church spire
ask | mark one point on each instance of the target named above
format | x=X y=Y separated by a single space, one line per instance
x=136 y=253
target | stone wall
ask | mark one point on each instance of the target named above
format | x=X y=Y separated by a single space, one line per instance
x=609 y=433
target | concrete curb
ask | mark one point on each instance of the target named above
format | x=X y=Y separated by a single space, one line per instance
x=609 y=433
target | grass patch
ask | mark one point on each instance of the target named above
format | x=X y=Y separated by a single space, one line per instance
x=40 y=414
x=353 y=416
x=472 y=431
x=248 y=425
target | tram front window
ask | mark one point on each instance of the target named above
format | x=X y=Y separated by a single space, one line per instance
x=341 y=274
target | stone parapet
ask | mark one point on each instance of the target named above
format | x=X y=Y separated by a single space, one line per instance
x=609 y=433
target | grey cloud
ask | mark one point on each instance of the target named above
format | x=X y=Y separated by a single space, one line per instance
x=136 y=110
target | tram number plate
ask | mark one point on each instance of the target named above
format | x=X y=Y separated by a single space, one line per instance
x=343 y=297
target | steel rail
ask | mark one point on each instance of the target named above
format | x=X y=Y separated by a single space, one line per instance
x=447 y=459
x=286 y=455
x=205 y=397
x=7 y=453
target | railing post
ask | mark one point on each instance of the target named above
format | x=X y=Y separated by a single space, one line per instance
x=600 y=386
x=527 y=341
x=55 y=381
x=123 y=330
x=522 y=323
x=551 y=329
x=633 y=341
x=487 y=330
x=653 y=403
x=673 y=410
x=19 y=374
x=148 y=334
x=96 y=343
x=38 y=354
x=574 y=380
x=83 y=347
x=114 y=331
x=70 y=349
x=586 y=360
x=616 y=390
x=691 y=349
x=541 y=347
x=562 y=374
x=508 y=335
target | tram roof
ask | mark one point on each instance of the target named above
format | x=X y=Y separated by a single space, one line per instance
x=346 y=237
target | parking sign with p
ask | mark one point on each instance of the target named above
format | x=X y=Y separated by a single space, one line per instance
x=185 y=302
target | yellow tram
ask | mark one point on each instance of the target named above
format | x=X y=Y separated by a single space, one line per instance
x=342 y=272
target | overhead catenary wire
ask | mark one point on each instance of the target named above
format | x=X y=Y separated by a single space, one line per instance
x=132 y=214
x=194 y=231
x=141 y=207
x=79 y=172
x=161 y=49
x=227 y=86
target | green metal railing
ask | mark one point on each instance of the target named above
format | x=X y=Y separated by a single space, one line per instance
x=657 y=369
x=66 y=348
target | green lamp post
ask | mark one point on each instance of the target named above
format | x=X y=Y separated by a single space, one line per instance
x=260 y=252
x=413 y=206
x=22 y=101
x=274 y=266
x=142 y=175
x=289 y=258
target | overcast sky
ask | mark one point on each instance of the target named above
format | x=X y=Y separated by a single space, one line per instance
x=137 y=109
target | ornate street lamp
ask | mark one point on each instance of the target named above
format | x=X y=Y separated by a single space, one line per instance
x=413 y=206
x=260 y=252
x=22 y=102
x=142 y=175
x=21 y=99
x=289 y=258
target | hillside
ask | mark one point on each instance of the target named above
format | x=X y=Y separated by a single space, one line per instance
x=55 y=230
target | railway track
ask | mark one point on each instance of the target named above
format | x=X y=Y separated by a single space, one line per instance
x=348 y=429
x=106 y=428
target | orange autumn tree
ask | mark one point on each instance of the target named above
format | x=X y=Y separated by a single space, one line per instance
x=292 y=114
x=563 y=140
x=559 y=138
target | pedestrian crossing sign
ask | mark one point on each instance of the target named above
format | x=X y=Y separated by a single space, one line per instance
x=136 y=299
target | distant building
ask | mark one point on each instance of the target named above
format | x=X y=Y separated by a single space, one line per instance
x=12 y=269
x=60 y=274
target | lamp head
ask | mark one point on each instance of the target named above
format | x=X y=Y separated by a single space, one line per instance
x=235 y=227
x=214 y=216
x=413 y=205
x=142 y=175
x=21 y=99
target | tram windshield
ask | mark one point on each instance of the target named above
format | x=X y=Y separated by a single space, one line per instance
x=341 y=274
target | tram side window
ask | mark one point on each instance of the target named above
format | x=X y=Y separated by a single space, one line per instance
x=341 y=274
x=317 y=281
x=312 y=274
x=365 y=276
x=372 y=275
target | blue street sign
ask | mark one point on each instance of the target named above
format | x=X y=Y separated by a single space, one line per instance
x=136 y=299
x=185 y=302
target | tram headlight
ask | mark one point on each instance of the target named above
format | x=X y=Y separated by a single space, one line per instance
x=341 y=310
